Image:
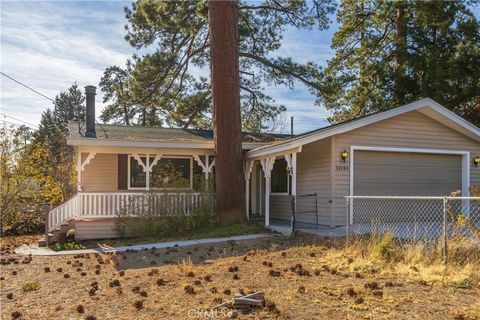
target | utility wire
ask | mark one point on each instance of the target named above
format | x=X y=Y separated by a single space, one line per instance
x=41 y=94
x=27 y=123
x=16 y=124
x=24 y=85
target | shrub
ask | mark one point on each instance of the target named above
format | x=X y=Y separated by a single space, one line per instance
x=68 y=245
x=158 y=220
x=32 y=286
x=27 y=222
x=385 y=246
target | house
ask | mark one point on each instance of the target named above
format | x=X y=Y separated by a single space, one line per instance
x=417 y=149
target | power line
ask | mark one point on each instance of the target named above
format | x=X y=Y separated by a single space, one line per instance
x=24 y=85
x=16 y=119
x=16 y=124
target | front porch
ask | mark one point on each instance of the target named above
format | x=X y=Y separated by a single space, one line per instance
x=270 y=185
x=115 y=181
x=93 y=214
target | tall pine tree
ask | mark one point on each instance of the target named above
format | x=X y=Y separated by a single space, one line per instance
x=49 y=161
x=391 y=53
x=168 y=87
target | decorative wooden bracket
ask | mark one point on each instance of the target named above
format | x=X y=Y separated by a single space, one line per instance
x=247 y=169
x=89 y=158
x=267 y=166
x=154 y=162
x=206 y=167
x=210 y=167
x=289 y=160
x=140 y=162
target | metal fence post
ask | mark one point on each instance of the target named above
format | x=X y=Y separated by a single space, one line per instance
x=445 y=230
x=347 y=218
x=292 y=222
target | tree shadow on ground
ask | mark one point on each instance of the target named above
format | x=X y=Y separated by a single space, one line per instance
x=206 y=253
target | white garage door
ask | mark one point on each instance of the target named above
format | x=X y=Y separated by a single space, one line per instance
x=406 y=174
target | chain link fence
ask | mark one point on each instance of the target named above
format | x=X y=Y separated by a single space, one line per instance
x=450 y=224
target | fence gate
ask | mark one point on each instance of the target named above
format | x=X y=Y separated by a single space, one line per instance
x=305 y=210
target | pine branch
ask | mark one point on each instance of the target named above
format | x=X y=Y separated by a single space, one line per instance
x=283 y=70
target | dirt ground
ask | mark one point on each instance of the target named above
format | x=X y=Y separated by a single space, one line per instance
x=301 y=279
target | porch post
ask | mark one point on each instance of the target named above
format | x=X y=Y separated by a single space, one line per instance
x=207 y=173
x=294 y=174
x=254 y=189
x=147 y=172
x=210 y=167
x=267 y=165
x=247 y=173
x=79 y=171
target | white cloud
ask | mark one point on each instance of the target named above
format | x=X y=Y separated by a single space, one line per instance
x=50 y=45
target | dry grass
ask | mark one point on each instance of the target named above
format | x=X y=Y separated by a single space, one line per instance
x=301 y=280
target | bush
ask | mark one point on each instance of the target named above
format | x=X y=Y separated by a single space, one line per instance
x=29 y=222
x=67 y=245
x=152 y=221
x=385 y=246
x=31 y=286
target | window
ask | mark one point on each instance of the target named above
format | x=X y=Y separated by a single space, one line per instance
x=171 y=173
x=166 y=173
x=280 y=177
x=138 y=178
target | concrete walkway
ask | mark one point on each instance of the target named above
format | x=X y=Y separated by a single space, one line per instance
x=44 y=251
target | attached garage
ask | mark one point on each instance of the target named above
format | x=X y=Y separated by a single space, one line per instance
x=381 y=173
x=417 y=150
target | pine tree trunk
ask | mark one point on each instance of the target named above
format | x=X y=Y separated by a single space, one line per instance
x=400 y=53
x=224 y=68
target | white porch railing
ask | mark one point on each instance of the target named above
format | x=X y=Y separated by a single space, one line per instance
x=62 y=213
x=110 y=204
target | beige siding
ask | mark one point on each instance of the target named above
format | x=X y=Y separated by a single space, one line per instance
x=101 y=174
x=313 y=176
x=410 y=130
x=280 y=207
x=98 y=229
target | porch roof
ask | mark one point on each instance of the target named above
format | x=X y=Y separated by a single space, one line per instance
x=108 y=134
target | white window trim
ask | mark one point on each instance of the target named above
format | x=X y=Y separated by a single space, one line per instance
x=130 y=156
x=465 y=164
x=288 y=183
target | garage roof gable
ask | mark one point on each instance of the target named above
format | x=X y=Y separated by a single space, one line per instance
x=426 y=106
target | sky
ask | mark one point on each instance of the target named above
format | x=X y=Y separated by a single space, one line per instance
x=49 y=45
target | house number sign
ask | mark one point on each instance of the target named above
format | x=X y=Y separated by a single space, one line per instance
x=342 y=168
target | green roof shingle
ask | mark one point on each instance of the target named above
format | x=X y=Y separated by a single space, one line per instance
x=121 y=132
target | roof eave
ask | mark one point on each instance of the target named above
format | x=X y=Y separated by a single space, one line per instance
x=99 y=142
x=469 y=129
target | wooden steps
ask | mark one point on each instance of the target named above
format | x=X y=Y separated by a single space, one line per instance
x=58 y=234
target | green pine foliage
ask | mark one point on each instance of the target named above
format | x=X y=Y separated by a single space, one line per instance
x=169 y=83
x=388 y=53
x=37 y=169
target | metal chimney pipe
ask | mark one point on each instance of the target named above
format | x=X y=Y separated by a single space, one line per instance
x=90 y=114
x=291 y=126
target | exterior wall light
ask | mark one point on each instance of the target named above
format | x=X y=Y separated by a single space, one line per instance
x=344 y=155
x=476 y=161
